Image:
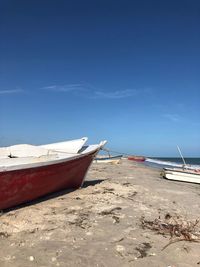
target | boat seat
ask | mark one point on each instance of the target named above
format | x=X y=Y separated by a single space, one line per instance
x=25 y=150
x=22 y=150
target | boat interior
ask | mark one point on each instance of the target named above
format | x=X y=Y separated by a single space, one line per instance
x=25 y=156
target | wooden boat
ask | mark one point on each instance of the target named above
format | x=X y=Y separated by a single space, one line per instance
x=111 y=159
x=24 y=150
x=136 y=158
x=26 y=178
x=184 y=175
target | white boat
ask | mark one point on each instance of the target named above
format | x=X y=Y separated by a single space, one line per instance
x=183 y=175
x=25 y=150
x=110 y=159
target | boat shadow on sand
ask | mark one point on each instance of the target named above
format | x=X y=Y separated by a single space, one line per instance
x=53 y=195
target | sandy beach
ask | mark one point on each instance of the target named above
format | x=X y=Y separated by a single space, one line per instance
x=120 y=217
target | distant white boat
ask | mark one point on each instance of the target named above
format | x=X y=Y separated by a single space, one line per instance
x=183 y=175
x=111 y=159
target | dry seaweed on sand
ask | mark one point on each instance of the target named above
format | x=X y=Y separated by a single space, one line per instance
x=143 y=249
x=178 y=228
x=4 y=234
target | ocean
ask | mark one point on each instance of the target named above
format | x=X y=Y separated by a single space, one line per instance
x=172 y=162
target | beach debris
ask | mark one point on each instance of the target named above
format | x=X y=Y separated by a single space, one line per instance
x=121 y=250
x=80 y=220
x=31 y=258
x=4 y=234
x=178 y=228
x=109 y=210
x=143 y=249
x=117 y=239
x=116 y=218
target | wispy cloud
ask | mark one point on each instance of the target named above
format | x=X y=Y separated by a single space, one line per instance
x=13 y=91
x=65 y=88
x=172 y=117
x=92 y=92
x=115 y=94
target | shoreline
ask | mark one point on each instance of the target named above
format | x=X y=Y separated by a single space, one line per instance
x=101 y=223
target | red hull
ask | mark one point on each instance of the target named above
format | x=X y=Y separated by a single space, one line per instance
x=136 y=158
x=20 y=186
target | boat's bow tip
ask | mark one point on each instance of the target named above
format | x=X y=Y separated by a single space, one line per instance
x=102 y=143
x=85 y=138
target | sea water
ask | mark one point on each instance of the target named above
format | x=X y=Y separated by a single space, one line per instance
x=172 y=162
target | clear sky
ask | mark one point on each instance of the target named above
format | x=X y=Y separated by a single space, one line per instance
x=125 y=71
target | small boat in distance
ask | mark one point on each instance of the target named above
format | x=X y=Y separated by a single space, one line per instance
x=183 y=175
x=24 y=178
x=110 y=159
x=137 y=158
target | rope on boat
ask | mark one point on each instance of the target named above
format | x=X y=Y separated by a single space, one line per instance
x=103 y=149
x=116 y=152
x=59 y=151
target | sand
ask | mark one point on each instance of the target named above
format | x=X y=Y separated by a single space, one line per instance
x=101 y=223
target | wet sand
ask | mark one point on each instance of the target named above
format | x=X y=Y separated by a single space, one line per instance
x=101 y=223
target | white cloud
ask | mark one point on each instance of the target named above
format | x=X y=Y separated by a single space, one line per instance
x=93 y=93
x=64 y=88
x=13 y=91
x=115 y=94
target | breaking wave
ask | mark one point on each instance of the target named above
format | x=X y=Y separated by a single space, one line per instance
x=162 y=164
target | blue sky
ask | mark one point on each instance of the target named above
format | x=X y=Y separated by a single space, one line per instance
x=125 y=71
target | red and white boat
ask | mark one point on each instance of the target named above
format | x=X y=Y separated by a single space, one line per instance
x=26 y=177
x=136 y=158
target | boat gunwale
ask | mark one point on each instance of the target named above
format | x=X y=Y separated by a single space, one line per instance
x=190 y=172
x=18 y=167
